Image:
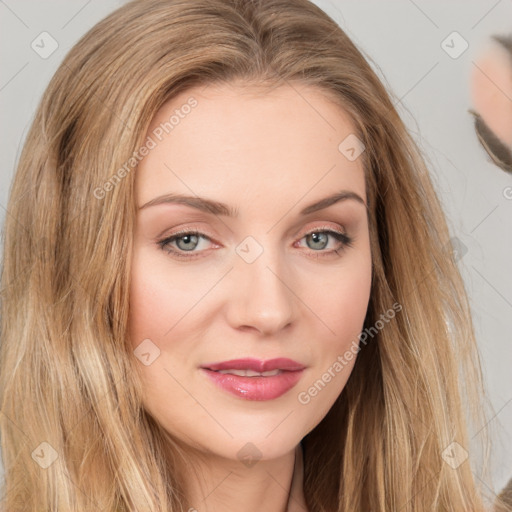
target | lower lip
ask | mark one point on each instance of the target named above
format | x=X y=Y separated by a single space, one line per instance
x=255 y=388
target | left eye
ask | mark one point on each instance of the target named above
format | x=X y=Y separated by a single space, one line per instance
x=320 y=239
x=187 y=242
x=189 y=239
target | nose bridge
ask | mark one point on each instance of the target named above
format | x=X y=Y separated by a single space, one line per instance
x=263 y=298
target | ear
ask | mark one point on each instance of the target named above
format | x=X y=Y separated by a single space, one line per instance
x=491 y=95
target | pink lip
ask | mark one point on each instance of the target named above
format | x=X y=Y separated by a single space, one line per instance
x=257 y=365
x=256 y=388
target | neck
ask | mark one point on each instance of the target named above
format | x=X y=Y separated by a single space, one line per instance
x=217 y=484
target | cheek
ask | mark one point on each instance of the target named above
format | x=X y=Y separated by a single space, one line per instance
x=158 y=298
x=149 y=316
x=342 y=306
x=342 y=301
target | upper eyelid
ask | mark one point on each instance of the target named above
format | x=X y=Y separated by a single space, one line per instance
x=202 y=233
x=344 y=220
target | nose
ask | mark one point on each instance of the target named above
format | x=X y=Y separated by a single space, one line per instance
x=261 y=295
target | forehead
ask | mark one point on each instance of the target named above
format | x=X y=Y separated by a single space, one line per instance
x=240 y=140
x=298 y=100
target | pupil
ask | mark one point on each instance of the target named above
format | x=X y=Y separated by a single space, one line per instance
x=316 y=239
x=187 y=239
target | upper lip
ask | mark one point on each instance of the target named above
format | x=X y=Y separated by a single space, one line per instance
x=256 y=365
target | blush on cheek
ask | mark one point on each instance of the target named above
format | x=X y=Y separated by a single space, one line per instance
x=149 y=307
x=157 y=298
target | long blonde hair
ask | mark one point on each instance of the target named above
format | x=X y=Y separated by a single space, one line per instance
x=70 y=387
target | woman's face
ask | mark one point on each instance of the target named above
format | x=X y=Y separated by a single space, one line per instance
x=268 y=275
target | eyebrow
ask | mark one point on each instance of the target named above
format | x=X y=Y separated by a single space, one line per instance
x=505 y=42
x=217 y=208
x=500 y=154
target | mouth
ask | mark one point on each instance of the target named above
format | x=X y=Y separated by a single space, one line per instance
x=253 y=379
x=256 y=365
x=249 y=373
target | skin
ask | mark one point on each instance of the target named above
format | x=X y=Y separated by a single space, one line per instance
x=491 y=89
x=269 y=155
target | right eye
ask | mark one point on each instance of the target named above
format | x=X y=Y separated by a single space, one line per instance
x=186 y=242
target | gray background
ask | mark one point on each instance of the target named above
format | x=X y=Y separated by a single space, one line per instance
x=403 y=39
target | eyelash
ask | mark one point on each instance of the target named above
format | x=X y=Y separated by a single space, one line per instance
x=345 y=240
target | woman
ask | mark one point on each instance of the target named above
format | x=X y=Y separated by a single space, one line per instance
x=303 y=353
